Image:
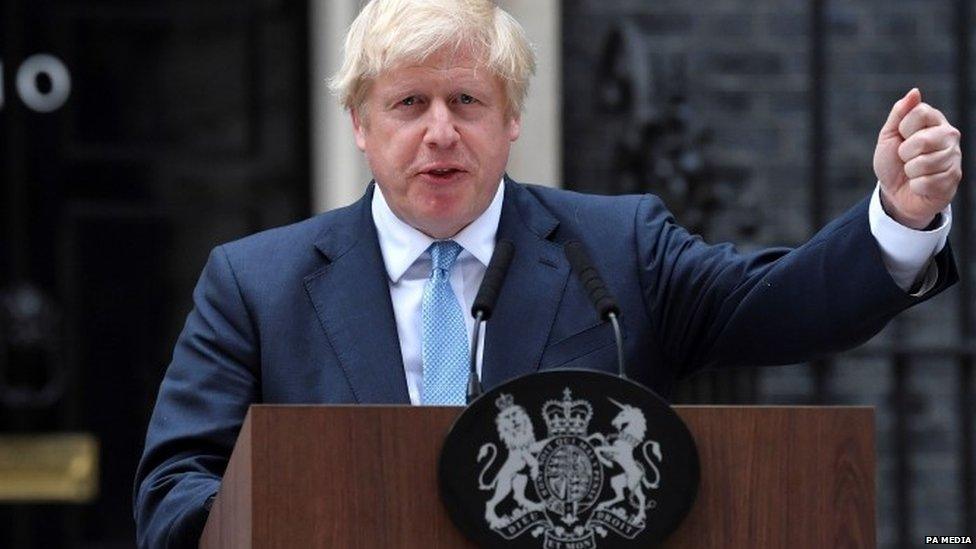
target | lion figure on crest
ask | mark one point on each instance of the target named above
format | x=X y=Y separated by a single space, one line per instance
x=516 y=432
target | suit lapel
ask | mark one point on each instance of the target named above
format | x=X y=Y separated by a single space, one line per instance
x=530 y=295
x=351 y=297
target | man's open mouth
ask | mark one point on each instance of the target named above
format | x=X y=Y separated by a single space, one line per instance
x=442 y=174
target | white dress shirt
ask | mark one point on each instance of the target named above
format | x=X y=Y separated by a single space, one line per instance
x=408 y=266
x=905 y=252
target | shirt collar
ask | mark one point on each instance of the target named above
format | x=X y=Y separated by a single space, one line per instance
x=401 y=244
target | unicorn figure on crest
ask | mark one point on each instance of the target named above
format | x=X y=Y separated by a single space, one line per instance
x=619 y=448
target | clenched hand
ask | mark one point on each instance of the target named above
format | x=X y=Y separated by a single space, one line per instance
x=917 y=161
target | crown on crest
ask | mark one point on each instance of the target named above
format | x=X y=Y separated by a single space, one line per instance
x=568 y=416
x=504 y=401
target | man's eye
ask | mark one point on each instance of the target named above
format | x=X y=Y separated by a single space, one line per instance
x=409 y=101
x=466 y=99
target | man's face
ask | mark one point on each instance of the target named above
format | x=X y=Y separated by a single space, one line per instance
x=436 y=136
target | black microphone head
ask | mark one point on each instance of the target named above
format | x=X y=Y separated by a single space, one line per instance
x=491 y=285
x=576 y=254
x=597 y=291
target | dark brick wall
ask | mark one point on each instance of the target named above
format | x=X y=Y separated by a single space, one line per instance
x=748 y=79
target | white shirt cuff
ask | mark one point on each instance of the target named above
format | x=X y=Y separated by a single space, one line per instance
x=906 y=252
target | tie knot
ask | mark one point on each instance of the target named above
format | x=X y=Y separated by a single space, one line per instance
x=443 y=253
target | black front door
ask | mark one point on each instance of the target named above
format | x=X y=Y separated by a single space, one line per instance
x=134 y=136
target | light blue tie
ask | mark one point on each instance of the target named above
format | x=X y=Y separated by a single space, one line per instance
x=445 y=342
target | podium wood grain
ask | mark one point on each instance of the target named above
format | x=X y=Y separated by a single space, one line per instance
x=366 y=477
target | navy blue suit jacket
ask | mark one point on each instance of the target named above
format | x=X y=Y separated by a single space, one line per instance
x=302 y=314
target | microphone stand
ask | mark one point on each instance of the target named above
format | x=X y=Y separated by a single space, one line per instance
x=474 y=382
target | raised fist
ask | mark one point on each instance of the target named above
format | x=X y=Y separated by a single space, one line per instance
x=917 y=161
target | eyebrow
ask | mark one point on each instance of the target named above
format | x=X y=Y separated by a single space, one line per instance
x=412 y=84
x=408 y=89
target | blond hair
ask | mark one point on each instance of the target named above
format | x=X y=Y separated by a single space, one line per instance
x=390 y=32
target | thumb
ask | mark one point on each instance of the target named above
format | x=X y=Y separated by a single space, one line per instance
x=899 y=111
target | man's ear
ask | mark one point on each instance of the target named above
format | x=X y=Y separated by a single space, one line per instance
x=514 y=127
x=359 y=128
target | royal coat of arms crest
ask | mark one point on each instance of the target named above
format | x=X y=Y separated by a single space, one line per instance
x=554 y=488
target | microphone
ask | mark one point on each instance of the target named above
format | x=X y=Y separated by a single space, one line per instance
x=484 y=305
x=603 y=301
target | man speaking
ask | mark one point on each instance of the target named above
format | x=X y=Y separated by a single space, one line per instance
x=367 y=304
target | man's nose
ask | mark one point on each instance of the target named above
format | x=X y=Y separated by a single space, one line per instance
x=441 y=128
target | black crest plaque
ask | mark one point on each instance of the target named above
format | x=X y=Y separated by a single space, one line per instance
x=568 y=459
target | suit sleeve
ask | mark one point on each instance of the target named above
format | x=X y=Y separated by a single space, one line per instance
x=716 y=307
x=202 y=402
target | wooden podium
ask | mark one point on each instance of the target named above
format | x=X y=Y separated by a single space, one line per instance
x=366 y=476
